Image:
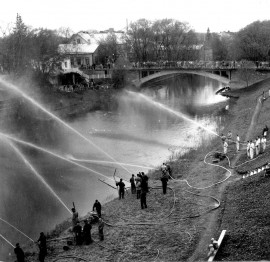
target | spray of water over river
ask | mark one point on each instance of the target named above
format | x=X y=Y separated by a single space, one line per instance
x=139 y=134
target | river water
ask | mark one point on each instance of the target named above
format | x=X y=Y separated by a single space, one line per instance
x=135 y=132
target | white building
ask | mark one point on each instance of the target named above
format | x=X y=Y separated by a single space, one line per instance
x=82 y=49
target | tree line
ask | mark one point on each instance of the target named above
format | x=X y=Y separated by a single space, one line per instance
x=25 y=49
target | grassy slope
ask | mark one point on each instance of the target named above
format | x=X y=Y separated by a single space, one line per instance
x=246 y=219
x=176 y=242
x=246 y=202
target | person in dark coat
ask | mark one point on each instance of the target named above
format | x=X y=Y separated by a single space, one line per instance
x=121 y=186
x=87 y=239
x=78 y=234
x=97 y=206
x=19 y=253
x=132 y=183
x=164 y=180
x=42 y=244
x=144 y=191
x=138 y=185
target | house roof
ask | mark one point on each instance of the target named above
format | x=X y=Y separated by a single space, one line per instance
x=95 y=38
x=78 y=48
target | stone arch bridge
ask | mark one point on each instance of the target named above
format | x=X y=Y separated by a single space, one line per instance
x=141 y=76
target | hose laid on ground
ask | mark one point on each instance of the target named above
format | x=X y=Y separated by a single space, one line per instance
x=71 y=257
x=219 y=182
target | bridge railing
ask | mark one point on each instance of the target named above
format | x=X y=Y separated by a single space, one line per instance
x=201 y=65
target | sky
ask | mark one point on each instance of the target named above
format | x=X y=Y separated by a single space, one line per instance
x=218 y=16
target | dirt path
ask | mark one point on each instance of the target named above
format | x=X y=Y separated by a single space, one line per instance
x=211 y=221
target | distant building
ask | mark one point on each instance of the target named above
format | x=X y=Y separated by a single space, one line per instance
x=82 y=50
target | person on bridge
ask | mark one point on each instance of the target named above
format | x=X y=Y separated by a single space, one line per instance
x=121 y=189
x=97 y=206
x=19 y=253
x=225 y=147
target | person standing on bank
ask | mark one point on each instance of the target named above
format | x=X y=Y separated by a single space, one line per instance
x=144 y=191
x=263 y=142
x=121 y=190
x=237 y=143
x=252 y=148
x=133 y=186
x=225 y=147
x=257 y=143
x=138 y=186
x=78 y=234
x=42 y=244
x=97 y=206
x=164 y=179
x=248 y=149
x=19 y=253
x=87 y=239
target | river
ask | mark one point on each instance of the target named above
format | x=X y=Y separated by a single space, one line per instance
x=136 y=133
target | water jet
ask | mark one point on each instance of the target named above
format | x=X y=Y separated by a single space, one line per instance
x=41 y=107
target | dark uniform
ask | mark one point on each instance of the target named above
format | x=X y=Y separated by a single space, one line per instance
x=121 y=185
x=87 y=233
x=19 y=253
x=97 y=206
x=78 y=234
x=133 y=186
x=144 y=191
x=164 y=180
x=42 y=244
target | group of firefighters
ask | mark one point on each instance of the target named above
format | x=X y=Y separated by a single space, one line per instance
x=254 y=147
x=82 y=235
x=139 y=186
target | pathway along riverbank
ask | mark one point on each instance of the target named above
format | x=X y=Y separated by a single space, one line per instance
x=178 y=226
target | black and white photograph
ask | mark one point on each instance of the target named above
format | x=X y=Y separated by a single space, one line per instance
x=134 y=130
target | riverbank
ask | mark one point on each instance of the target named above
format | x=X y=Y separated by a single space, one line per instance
x=179 y=225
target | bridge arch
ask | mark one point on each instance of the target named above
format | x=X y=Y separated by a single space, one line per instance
x=139 y=82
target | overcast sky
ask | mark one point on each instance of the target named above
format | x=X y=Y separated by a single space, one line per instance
x=79 y=15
